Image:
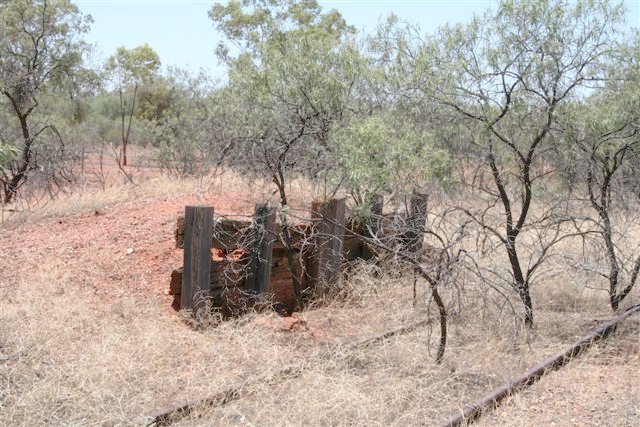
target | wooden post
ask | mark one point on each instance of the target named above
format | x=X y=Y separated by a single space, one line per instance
x=415 y=233
x=375 y=221
x=82 y=166
x=373 y=227
x=259 y=276
x=416 y=222
x=323 y=266
x=197 y=257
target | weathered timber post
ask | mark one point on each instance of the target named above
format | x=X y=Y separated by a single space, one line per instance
x=323 y=267
x=264 y=222
x=416 y=222
x=196 y=282
x=375 y=221
x=373 y=226
x=415 y=233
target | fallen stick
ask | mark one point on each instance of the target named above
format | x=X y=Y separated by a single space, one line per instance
x=170 y=414
x=473 y=411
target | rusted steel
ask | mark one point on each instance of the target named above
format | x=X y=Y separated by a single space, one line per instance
x=473 y=411
x=398 y=331
x=172 y=413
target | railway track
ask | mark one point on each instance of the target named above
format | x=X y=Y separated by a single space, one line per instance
x=469 y=413
x=172 y=413
x=473 y=411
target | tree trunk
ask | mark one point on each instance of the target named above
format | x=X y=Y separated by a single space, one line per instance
x=442 y=310
x=617 y=297
x=125 y=141
x=11 y=188
x=123 y=115
x=287 y=240
x=124 y=152
x=20 y=175
x=125 y=128
x=525 y=297
x=520 y=283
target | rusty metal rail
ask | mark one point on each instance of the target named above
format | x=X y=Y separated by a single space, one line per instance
x=473 y=411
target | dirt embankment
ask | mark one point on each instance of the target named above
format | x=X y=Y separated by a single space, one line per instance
x=128 y=247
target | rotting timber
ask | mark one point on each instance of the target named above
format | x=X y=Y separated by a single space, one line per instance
x=250 y=266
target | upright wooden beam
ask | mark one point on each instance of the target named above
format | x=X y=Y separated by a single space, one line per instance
x=375 y=220
x=323 y=266
x=197 y=257
x=416 y=222
x=259 y=275
x=373 y=227
x=415 y=233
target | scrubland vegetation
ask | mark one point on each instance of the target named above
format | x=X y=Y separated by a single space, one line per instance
x=521 y=126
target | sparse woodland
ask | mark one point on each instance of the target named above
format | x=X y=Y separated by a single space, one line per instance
x=522 y=128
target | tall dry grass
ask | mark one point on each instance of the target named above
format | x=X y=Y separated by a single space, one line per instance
x=95 y=199
x=397 y=383
x=68 y=356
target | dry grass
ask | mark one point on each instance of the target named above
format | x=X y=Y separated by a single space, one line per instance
x=396 y=382
x=96 y=199
x=601 y=388
x=71 y=356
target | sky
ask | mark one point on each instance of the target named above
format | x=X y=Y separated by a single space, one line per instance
x=182 y=34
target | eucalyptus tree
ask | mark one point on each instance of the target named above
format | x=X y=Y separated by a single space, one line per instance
x=292 y=69
x=505 y=76
x=189 y=116
x=293 y=73
x=128 y=69
x=384 y=154
x=40 y=49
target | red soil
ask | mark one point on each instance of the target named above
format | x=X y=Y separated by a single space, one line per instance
x=123 y=249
